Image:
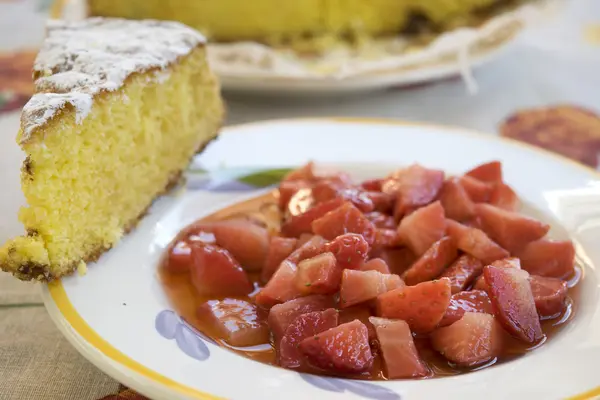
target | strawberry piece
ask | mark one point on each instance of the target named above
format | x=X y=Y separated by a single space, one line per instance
x=305 y=172
x=488 y=172
x=549 y=258
x=302 y=223
x=281 y=287
x=423 y=306
x=453 y=314
x=432 y=263
x=513 y=302
x=456 y=201
x=473 y=340
x=238 y=322
x=376 y=264
x=372 y=185
x=386 y=238
x=288 y=189
x=343 y=349
x=361 y=313
x=478 y=191
x=510 y=230
x=549 y=294
x=462 y=272
x=279 y=249
x=382 y=202
x=180 y=257
x=413 y=187
x=473 y=301
x=504 y=197
x=306 y=325
x=302 y=239
x=300 y=201
x=398 y=348
x=215 y=272
x=319 y=275
x=360 y=286
x=344 y=219
x=475 y=242
x=350 y=250
x=398 y=260
x=313 y=247
x=247 y=242
x=421 y=229
x=381 y=220
x=481 y=284
x=282 y=315
x=326 y=190
x=392 y=281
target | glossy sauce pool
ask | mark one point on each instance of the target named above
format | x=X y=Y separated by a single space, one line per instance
x=185 y=301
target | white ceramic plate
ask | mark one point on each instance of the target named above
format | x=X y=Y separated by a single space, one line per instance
x=118 y=317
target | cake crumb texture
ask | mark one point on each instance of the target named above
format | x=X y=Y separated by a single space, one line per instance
x=87 y=182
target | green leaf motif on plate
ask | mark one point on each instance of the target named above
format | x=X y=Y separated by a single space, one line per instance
x=265 y=178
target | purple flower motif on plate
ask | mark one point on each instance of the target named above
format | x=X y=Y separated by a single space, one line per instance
x=188 y=339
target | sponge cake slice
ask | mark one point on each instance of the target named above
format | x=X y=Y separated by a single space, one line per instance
x=120 y=109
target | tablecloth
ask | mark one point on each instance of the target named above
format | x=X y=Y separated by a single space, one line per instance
x=555 y=63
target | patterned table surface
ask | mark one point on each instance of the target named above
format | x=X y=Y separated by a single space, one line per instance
x=553 y=64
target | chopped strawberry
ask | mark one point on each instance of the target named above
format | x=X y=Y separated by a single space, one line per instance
x=462 y=272
x=302 y=239
x=473 y=340
x=385 y=238
x=238 y=322
x=344 y=219
x=300 y=201
x=381 y=220
x=372 y=185
x=360 y=286
x=453 y=313
x=510 y=230
x=319 y=275
x=343 y=349
x=350 y=250
x=327 y=189
x=504 y=197
x=513 y=302
x=362 y=313
x=398 y=348
x=475 y=242
x=478 y=191
x=382 y=202
x=306 y=325
x=247 y=242
x=421 y=229
x=376 y=264
x=473 y=301
x=432 y=263
x=301 y=223
x=215 y=272
x=398 y=260
x=313 y=247
x=288 y=189
x=392 y=281
x=305 y=172
x=279 y=249
x=423 y=306
x=549 y=294
x=282 y=315
x=281 y=288
x=550 y=258
x=413 y=187
x=180 y=257
x=456 y=201
x=481 y=284
x=488 y=172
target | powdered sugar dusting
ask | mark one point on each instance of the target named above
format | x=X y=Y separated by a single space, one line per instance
x=82 y=58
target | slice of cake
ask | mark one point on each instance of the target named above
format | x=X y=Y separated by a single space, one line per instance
x=120 y=109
